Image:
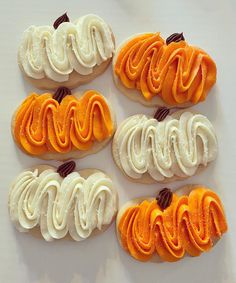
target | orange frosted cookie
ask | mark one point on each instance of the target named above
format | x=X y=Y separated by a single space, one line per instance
x=170 y=226
x=153 y=71
x=62 y=125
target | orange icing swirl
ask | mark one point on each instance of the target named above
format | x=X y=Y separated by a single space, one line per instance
x=190 y=224
x=43 y=125
x=179 y=73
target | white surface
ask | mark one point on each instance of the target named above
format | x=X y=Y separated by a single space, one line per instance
x=209 y=24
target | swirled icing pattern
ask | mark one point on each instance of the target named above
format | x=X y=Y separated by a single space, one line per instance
x=60 y=206
x=173 y=147
x=179 y=73
x=190 y=224
x=43 y=125
x=80 y=46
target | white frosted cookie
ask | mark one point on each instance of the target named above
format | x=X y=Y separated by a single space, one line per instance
x=62 y=126
x=149 y=151
x=62 y=202
x=67 y=53
x=171 y=226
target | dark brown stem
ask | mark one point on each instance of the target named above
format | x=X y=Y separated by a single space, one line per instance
x=60 y=93
x=163 y=112
x=175 y=37
x=164 y=198
x=62 y=19
x=66 y=168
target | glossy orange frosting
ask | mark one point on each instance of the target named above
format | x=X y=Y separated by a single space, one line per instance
x=178 y=72
x=43 y=125
x=190 y=224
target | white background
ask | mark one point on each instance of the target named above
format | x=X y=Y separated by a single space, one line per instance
x=209 y=24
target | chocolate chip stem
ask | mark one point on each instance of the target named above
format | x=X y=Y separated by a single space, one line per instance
x=175 y=37
x=60 y=93
x=163 y=112
x=66 y=168
x=164 y=198
x=62 y=19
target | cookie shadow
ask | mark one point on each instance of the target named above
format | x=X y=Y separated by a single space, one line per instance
x=209 y=267
x=65 y=261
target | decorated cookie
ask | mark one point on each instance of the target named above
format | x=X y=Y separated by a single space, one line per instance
x=62 y=126
x=168 y=147
x=168 y=227
x=161 y=72
x=66 y=53
x=62 y=202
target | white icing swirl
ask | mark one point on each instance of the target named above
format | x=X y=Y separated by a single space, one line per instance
x=165 y=149
x=80 y=46
x=73 y=204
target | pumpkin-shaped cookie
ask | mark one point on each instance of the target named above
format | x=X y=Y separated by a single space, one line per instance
x=62 y=126
x=68 y=53
x=164 y=149
x=153 y=71
x=62 y=202
x=189 y=221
